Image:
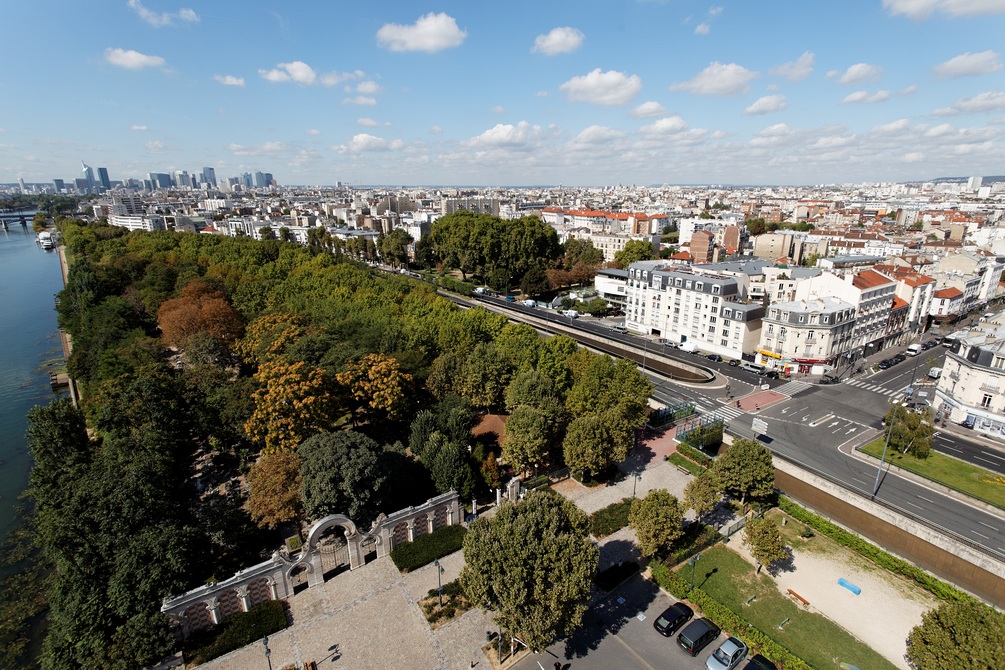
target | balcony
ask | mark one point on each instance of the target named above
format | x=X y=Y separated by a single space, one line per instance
x=990 y=387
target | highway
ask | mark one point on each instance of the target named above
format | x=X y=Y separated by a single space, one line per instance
x=817 y=426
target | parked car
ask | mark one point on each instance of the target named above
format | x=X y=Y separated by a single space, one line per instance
x=899 y=358
x=696 y=636
x=728 y=655
x=510 y=298
x=758 y=662
x=714 y=357
x=733 y=362
x=672 y=618
x=885 y=363
x=829 y=379
x=769 y=374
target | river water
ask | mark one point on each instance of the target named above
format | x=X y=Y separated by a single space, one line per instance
x=29 y=279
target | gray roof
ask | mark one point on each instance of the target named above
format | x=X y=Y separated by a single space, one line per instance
x=613 y=272
x=751 y=267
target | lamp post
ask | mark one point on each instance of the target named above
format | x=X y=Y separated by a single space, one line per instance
x=439 y=585
x=882 y=459
x=636 y=478
x=691 y=561
x=265 y=643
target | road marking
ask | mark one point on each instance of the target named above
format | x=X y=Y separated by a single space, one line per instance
x=953 y=449
x=987 y=453
x=988 y=525
x=981 y=534
x=913 y=505
x=926 y=499
x=978 y=458
x=850 y=431
x=857 y=480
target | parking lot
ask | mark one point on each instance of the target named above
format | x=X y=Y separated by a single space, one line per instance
x=618 y=633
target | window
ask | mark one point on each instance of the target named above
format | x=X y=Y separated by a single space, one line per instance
x=724 y=343
x=698 y=286
x=771 y=329
x=998 y=363
x=715 y=288
x=715 y=300
x=715 y=310
x=986 y=401
x=697 y=305
x=711 y=319
x=711 y=329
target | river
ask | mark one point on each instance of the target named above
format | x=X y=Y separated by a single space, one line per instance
x=29 y=279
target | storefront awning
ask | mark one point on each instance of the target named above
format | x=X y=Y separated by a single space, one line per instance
x=769 y=354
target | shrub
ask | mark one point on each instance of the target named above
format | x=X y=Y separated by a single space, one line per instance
x=610 y=519
x=685 y=463
x=455 y=285
x=693 y=454
x=243 y=628
x=697 y=537
x=427 y=548
x=933 y=585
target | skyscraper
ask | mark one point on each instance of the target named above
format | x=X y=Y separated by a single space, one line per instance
x=87 y=174
x=103 y=179
x=59 y=184
x=209 y=176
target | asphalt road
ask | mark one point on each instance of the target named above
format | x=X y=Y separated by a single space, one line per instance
x=809 y=428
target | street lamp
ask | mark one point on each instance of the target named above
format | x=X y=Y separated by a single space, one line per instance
x=439 y=585
x=691 y=561
x=636 y=478
x=882 y=459
x=265 y=643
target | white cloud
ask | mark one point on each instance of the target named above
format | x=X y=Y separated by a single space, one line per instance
x=333 y=78
x=366 y=142
x=922 y=9
x=665 y=126
x=264 y=149
x=647 y=109
x=138 y=128
x=155 y=146
x=913 y=157
x=161 y=19
x=541 y=94
x=602 y=88
x=719 y=79
x=858 y=73
x=702 y=29
x=941 y=130
x=506 y=135
x=989 y=101
x=559 y=41
x=367 y=87
x=431 y=33
x=313 y=131
x=969 y=65
x=767 y=104
x=228 y=79
x=435 y=130
x=908 y=90
x=498 y=109
x=892 y=128
x=598 y=135
x=132 y=60
x=365 y=121
x=297 y=71
x=714 y=11
x=359 y=100
x=796 y=70
x=866 y=97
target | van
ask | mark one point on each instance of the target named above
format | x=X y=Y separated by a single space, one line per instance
x=688 y=347
x=934 y=373
x=619 y=329
x=529 y=303
x=571 y=313
x=914 y=350
x=696 y=636
x=752 y=367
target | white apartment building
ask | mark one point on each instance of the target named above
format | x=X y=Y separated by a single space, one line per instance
x=684 y=307
x=869 y=291
x=972 y=385
x=807 y=336
x=960 y=270
x=148 y=223
x=612 y=285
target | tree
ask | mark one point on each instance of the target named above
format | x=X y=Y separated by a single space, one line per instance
x=701 y=494
x=293 y=402
x=268 y=336
x=534 y=282
x=527 y=438
x=579 y=251
x=490 y=471
x=376 y=385
x=586 y=446
x=746 y=469
x=484 y=377
x=533 y=565
x=911 y=433
x=755 y=226
x=199 y=309
x=393 y=247
x=519 y=343
x=451 y=470
x=342 y=473
x=266 y=233
x=634 y=251
x=765 y=541
x=274 y=489
x=658 y=522
x=960 y=635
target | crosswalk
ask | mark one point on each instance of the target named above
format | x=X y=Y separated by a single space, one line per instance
x=895 y=394
x=793 y=388
x=727 y=412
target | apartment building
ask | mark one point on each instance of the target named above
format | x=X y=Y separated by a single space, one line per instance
x=869 y=291
x=684 y=307
x=807 y=336
x=971 y=388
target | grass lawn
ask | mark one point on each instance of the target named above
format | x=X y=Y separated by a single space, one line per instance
x=685 y=463
x=948 y=471
x=730 y=580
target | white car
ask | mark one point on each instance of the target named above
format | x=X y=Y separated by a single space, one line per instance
x=728 y=655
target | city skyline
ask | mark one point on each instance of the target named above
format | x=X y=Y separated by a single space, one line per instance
x=636 y=92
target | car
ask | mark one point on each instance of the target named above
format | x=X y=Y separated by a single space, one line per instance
x=510 y=298
x=758 y=662
x=929 y=344
x=885 y=363
x=899 y=358
x=968 y=422
x=769 y=374
x=672 y=618
x=619 y=329
x=829 y=379
x=728 y=655
x=714 y=357
x=696 y=636
x=733 y=362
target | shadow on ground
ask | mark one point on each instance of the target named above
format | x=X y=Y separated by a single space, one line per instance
x=607 y=615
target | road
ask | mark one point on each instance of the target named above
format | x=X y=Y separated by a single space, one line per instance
x=809 y=428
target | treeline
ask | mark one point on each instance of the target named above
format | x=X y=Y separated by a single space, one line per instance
x=333 y=388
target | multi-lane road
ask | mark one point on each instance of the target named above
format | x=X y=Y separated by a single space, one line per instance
x=816 y=426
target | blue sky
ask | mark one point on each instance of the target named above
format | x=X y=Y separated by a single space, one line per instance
x=573 y=92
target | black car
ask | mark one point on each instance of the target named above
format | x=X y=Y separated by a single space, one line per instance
x=714 y=357
x=733 y=362
x=697 y=635
x=672 y=618
x=899 y=358
x=884 y=364
x=770 y=374
x=758 y=662
x=829 y=379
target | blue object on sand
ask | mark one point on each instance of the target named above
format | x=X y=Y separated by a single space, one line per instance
x=848 y=585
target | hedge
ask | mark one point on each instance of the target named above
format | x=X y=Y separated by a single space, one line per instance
x=243 y=628
x=427 y=548
x=681 y=589
x=610 y=519
x=695 y=455
x=455 y=285
x=933 y=585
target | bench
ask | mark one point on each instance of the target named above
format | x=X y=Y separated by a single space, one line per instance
x=682 y=470
x=799 y=597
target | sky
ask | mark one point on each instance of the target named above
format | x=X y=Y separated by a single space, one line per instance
x=506 y=93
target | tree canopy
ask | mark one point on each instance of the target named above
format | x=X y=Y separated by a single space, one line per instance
x=532 y=565
x=761 y=534
x=634 y=251
x=343 y=473
x=960 y=635
x=910 y=432
x=746 y=470
x=657 y=521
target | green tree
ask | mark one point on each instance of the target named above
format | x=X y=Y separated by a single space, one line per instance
x=761 y=534
x=581 y=251
x=756 y=226
x=393 y=247
x=532 y=564
x=701 y=494
x=745 y=470
x=587 y=444
x=634 y=251
x=534 y=281
x=451 y=470
x=527 y=438
x=960 y=635
x=293 y=402
x=484 y=377
x=911 y=433
x=422 y=428
x=658 y=522
x=342 y=473
x=553 y=358
x=266 y=233
x=519 y=343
